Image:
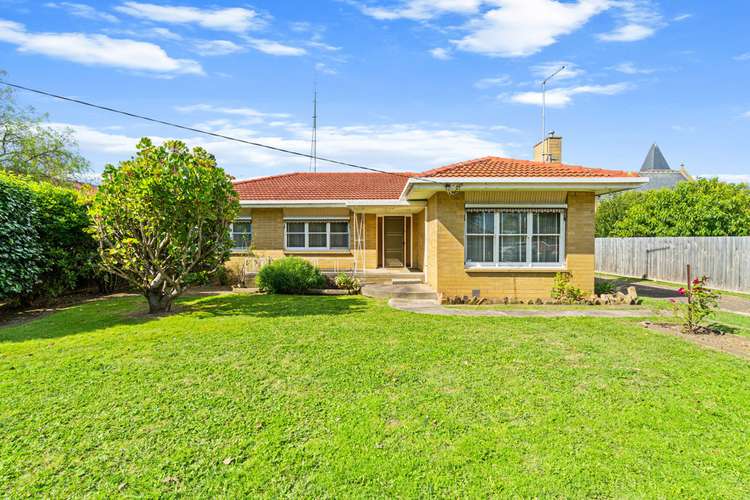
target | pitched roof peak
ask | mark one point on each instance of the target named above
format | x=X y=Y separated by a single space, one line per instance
x=655 y=160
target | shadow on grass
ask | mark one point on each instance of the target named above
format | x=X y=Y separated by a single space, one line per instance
x=274 y=306
x=129 y=311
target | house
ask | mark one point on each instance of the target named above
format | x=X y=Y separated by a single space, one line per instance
x=660 y=174
x=490 y=227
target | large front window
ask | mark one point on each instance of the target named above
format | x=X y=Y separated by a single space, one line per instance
x=514 y=237
x=317 y=235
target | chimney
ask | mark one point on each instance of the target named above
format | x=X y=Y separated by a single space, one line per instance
x=549 y=150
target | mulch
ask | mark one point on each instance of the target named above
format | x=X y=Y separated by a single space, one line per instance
x=729 y=343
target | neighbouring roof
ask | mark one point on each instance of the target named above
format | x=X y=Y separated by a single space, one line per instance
x=492 y=166
x=389 y=186
x=324 y=186
x=655 y=160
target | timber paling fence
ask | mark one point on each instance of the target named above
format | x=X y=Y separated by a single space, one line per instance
x=725 y=260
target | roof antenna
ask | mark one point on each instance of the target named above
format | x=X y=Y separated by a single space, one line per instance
x=314 y=140
x=545 y=154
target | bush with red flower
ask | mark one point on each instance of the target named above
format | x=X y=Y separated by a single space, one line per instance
x=701 y=305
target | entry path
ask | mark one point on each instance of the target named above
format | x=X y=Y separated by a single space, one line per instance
x=433 y=307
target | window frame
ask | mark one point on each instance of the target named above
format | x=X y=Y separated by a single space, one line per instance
x=248 y=220
x=328 y=233
x=529 y=234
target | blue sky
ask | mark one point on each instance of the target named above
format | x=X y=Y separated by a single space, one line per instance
x=403 y=84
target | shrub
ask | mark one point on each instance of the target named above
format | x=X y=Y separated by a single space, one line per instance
x=604 y=287
x=289 y=275
x=45 y=247
x=564 y=291
x=348 y=282
x=701 y=305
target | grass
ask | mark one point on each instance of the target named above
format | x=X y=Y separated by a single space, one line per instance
x=346 y=397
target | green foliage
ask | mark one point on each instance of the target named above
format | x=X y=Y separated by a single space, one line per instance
x=564 y=291
x=702 y=303
x=348 y=282
x=162 y=219
x=289 y=275
x=30 y=147
x=45 y=248
x=20 y=247
x=612 y=210
x=602 y=287
x=702 y=208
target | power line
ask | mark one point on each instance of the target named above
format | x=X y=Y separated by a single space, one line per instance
x=199 y=131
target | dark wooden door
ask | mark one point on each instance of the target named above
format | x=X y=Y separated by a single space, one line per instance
x=393 y=241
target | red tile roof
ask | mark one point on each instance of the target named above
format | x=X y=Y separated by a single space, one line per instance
x=324 y=186
x=492 y=166
x=388 y=186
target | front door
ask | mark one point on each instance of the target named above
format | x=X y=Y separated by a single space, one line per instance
x=393 y=241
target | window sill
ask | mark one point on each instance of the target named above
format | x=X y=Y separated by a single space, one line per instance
x=318 y=252
x=515 y=269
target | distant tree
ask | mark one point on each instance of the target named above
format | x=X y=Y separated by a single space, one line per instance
x=162 y=219
x=30 y=147
x=612 y=210
x=702 y=208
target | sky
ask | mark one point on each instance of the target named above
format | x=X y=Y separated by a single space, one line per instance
x=402 y=84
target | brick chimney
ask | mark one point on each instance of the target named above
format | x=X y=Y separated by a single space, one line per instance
x=549 y=150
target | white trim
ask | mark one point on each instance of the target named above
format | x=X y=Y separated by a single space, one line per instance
x=316 y=218
x=517 y=205
x=307 y=247
x=529 y=180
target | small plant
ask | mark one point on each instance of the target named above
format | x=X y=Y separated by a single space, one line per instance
x=348 y=282
x=702 y=303
x=289 y=275
x=604 y=288
x=564 y=291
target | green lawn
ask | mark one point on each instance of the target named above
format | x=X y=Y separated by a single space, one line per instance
x=343 y=396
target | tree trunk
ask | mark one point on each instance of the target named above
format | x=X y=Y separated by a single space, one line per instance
x=158 y=302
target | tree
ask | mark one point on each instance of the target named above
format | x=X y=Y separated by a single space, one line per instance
x=612 y=210
x=162 y=218
x=707 y=207
x=30 y=147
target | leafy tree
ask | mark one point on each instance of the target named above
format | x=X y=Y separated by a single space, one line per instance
x=612 y=210
x=30 y=147
x=702 y=208
x=162 y=218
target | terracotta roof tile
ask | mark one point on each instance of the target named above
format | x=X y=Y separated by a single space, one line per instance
x=324 y=186
x=492 y=166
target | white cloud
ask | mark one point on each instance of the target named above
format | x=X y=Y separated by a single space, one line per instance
x=561 y=97
x=423 y=10
x=523 y=27
x=746 y=114
x=84 y=11
x=224 y=110
x=217 y=47
x=733 y=178
x=681 y=17
x=742 y=57
x=324 y=69
x=236 y=19
x=639 y=20
x=544 y=70
x=630 y=68
x=99 y=50
x=275 y=48
x=497 y=81
x=440 y=53
x=392 y=147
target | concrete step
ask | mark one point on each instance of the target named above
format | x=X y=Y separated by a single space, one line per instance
x=407 y=281
x=414 y=291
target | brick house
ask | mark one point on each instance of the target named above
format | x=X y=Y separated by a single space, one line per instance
x=492 y=227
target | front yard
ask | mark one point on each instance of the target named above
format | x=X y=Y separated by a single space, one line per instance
x=344 y=396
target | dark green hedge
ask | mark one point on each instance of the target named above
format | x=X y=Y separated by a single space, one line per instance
x=45 y=247
x=289 y=275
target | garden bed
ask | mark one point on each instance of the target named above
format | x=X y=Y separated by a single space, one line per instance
x=713 y=339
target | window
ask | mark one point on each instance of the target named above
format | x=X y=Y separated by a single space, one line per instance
x=241 y=231
x=317 y=235
x=515 y=237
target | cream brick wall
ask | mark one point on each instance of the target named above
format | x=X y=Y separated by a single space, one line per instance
x=446 y=273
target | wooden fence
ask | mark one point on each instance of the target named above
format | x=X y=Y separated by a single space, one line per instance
x=725 y=260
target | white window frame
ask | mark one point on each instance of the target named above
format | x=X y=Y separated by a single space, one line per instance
x=307 y=222
x=527 y=264
x=231 y=232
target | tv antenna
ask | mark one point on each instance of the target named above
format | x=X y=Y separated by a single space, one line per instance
x=314 y=140
x=545 y=154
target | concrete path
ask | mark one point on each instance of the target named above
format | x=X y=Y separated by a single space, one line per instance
x=433 y=307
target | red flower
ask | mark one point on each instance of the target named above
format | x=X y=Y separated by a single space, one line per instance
x=681 y=291
x=696 y=281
